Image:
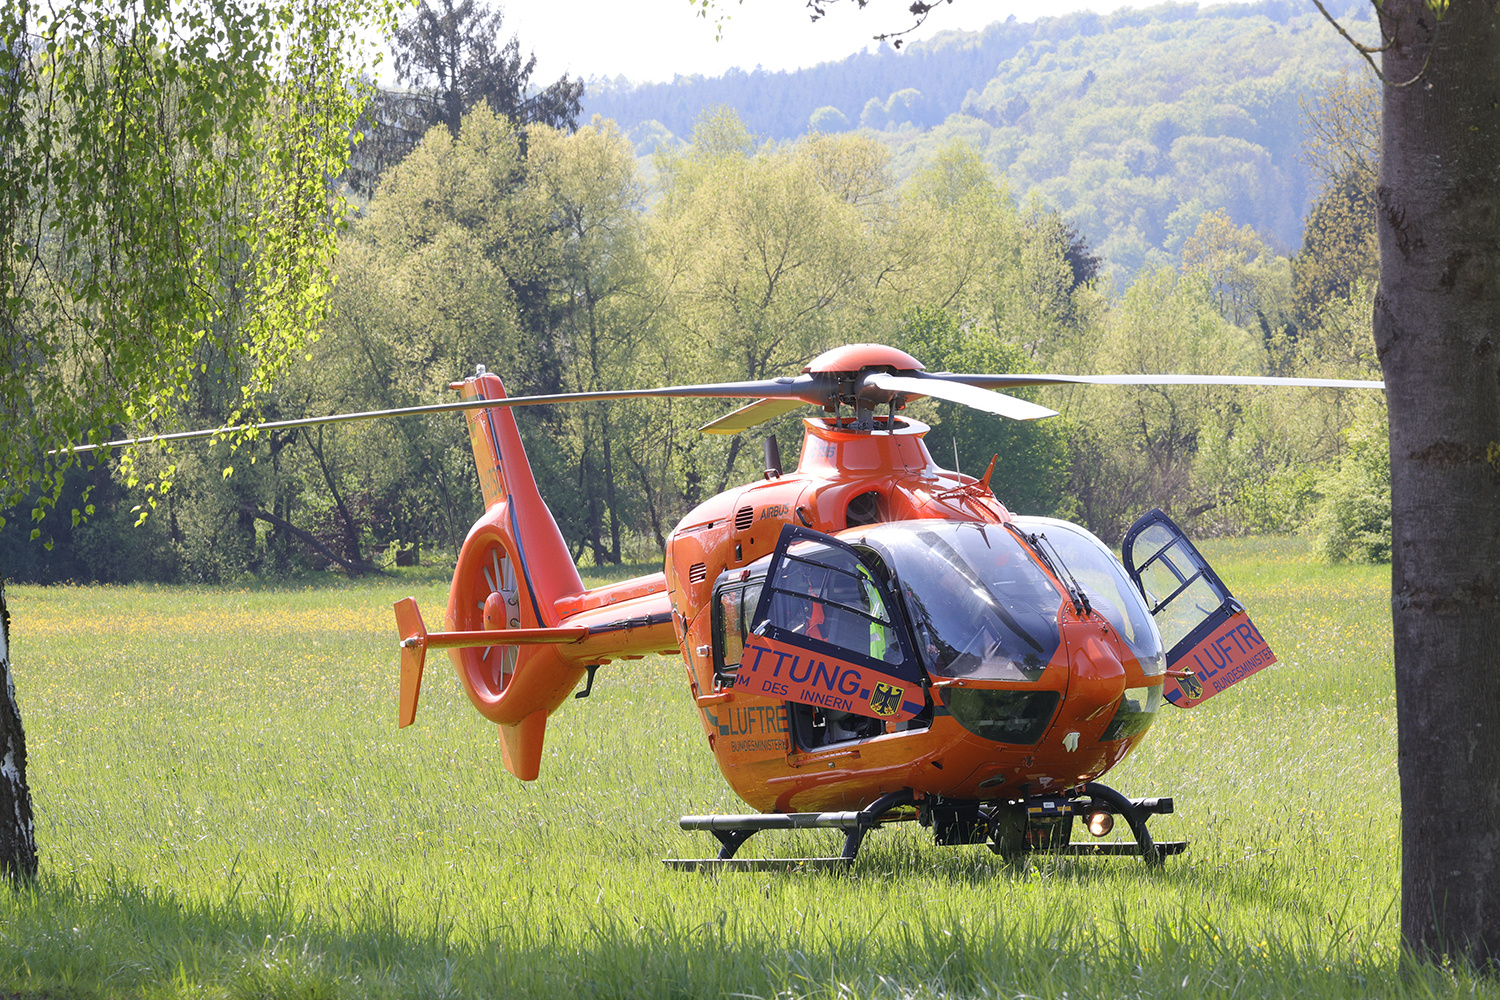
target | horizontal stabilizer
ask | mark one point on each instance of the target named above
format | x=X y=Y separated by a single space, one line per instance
x=416 y=641
x=506 y=637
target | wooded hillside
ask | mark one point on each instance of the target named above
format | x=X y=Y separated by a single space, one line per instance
x=1132 y=124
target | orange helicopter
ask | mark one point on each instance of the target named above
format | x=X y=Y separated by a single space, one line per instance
x=869 y=638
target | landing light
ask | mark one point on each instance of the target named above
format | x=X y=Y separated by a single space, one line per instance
x=1100 y=823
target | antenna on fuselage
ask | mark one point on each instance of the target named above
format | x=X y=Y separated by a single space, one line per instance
x=773 y=458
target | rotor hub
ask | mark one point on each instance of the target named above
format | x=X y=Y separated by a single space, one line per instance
x=852 y=358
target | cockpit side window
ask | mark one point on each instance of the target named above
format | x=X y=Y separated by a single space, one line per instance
x=828 y=594
x=830 y=611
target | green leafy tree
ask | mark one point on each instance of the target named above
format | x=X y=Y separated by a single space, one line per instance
x=533 y=265
x=955 y=234
x=1225 y=255
x=165 y=203
x=604 y=309
x=452 y=52
x=1352 y=522
x=1342 y=146
x=1137 y=448
x=957 y=240
x=853 y=168
x=828 y=119
x=1338 y=246
x=1031 y=457
x=1341 y=122
x=766 y=258
x=427 y=290
x=451 y=56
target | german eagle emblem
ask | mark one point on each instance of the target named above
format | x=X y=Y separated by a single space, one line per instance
x=886 y=700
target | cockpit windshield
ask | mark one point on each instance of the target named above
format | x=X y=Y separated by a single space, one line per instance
x=979 y=605
x=1103 y=581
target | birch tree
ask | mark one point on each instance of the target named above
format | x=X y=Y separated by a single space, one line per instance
x=165 y=215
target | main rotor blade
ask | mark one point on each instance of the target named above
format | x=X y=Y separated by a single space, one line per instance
x=959 y=392
x=750 y=415
x=785 y=388
x=782 y=395
x=1016 y=381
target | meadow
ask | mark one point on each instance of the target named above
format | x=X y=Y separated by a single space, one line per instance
x=226 y=809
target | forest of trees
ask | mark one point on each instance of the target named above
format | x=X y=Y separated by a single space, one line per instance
x=511 y=238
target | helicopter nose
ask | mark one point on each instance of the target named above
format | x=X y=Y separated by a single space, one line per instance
x=1097 y=681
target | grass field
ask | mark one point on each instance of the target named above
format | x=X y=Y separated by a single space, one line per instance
x=225 y=808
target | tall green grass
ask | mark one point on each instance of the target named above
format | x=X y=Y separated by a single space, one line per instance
x=225 y=808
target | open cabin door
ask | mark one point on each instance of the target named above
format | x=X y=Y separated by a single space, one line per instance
x=827 y=633
x=1211 y=642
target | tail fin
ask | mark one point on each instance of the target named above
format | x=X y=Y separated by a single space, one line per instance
x=512 y=569
x=506 y=481
x=413 y=632
x=515 y=577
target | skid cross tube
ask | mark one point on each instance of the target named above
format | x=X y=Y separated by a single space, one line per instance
x=1136 y=812
x=733 y=831
x=1135 y=817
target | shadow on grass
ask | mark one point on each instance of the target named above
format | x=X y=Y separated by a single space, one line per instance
x=125 y=940
x=1266 y=880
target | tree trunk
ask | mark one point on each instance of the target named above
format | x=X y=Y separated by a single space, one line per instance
x=17 y=837
x=351 y=566
x=1437 y=320
x=346 y=519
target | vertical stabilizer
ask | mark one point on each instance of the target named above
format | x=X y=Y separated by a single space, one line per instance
x=515 y=563
x=409 y=626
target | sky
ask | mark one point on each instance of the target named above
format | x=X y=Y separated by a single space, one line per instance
x=655 y=40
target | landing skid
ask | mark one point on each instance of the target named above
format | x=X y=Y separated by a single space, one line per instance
x=732 y=831
x=1037 y=825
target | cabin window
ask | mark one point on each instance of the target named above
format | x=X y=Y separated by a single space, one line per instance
x=1180 y=592
x=839 y=598
x=733 y=608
